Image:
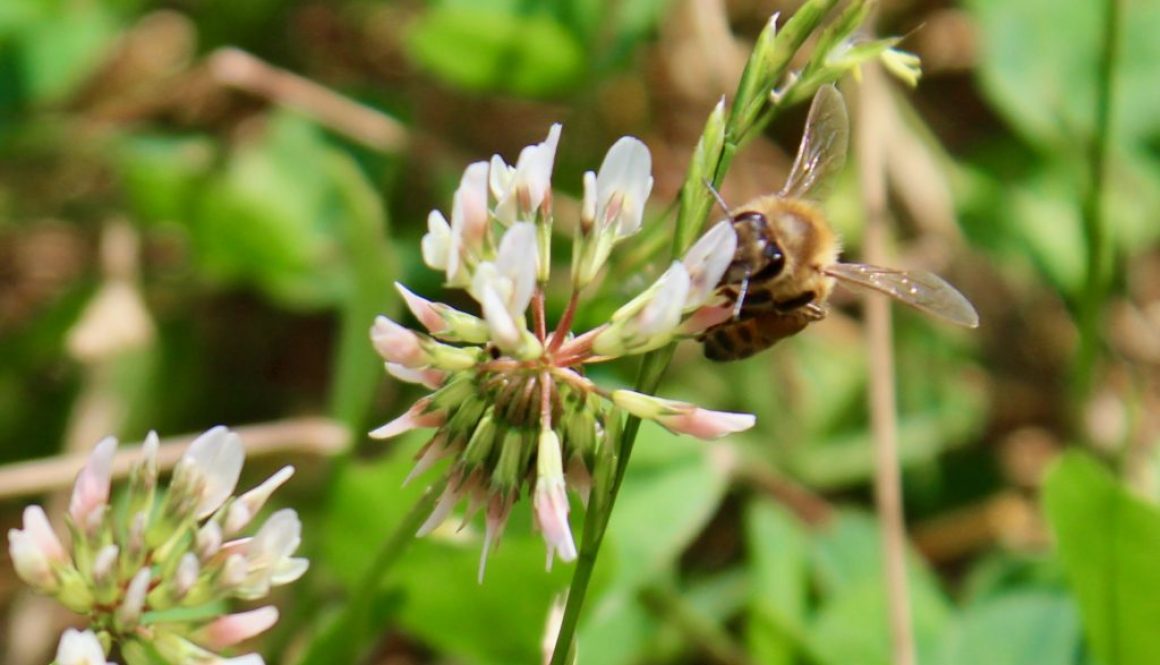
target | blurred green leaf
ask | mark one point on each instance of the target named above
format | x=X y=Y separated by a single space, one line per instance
x=1108 y=541
x=1018 y=628
x=437 y=598
x=778 y=594
x=485 y=49
x=851 y=622
x=1044 y=79
x=267 y=220
x=161 y=174
x=63 y=47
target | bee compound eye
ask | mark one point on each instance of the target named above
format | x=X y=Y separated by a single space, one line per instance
x=751 y=218
x=774 y=261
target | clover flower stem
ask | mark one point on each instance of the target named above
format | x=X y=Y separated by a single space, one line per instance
x=565 y=324
x=545 y=401
x=596 y=522
x=538 y=314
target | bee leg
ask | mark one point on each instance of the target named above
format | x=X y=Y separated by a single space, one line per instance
x=740 y=301
x=814 y=311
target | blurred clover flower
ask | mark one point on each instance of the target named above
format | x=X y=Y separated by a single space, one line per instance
x=153 y=575
x=511 y=404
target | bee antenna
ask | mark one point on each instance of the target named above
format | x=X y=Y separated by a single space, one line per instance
x=717 y=195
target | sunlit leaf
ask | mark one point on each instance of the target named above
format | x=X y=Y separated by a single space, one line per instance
x=1108 y=541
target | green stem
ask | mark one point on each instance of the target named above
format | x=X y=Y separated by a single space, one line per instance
x=342 y=640
x=766 y=67
x=1095 y=285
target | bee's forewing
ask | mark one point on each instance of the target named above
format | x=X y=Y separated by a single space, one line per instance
x=926 y=292
x=822 y=153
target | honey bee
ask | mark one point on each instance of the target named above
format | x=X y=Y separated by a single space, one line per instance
x=786 y=261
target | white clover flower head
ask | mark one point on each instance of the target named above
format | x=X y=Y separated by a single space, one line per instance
x=80 y=647
x=511 y=405
x=162 y=550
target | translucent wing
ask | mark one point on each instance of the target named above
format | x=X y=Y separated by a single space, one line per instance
x=822 y=153
x=921 y=290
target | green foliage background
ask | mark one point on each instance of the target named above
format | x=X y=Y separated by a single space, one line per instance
x=269 y=240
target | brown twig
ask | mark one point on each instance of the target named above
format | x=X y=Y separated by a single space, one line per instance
x=234 y=67
x=314 y=435
x=873 y=125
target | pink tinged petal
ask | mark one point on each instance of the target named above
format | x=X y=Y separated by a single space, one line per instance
x=216 y=459
x=497 y=514
x=436 y=244
x=447 y=501
x=430 y=378
x=414 y=418
x=551 y=499
x=40 y=531
x=662 y=314
x=423 y=310
x=623 y=185
x=706 y=317
x=268 y=557
x=235 y=628
x=133 y=602
x=91 y=491
x=30 y=561
x=706 y=262
x=80 y=648
x=469 y=216
x=397 y=344
x=435 y=450
x=706 y=424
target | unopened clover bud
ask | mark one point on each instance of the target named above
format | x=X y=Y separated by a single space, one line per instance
x=79 y=647
x=90 y=493
x=905 y=66
x=231 y=629
x=174 y=648
x=648 y=321
x=104 y=573
x=418 y=416
x=509 y=468
x=36 y=552
x=443 y=321
x=247 y=505
x=208 y=540
x=397 y=344
x=186 y=575
x=128 y=613
x=143 y=475
x=551 y=499
x=682 y=417
x=482 y=440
